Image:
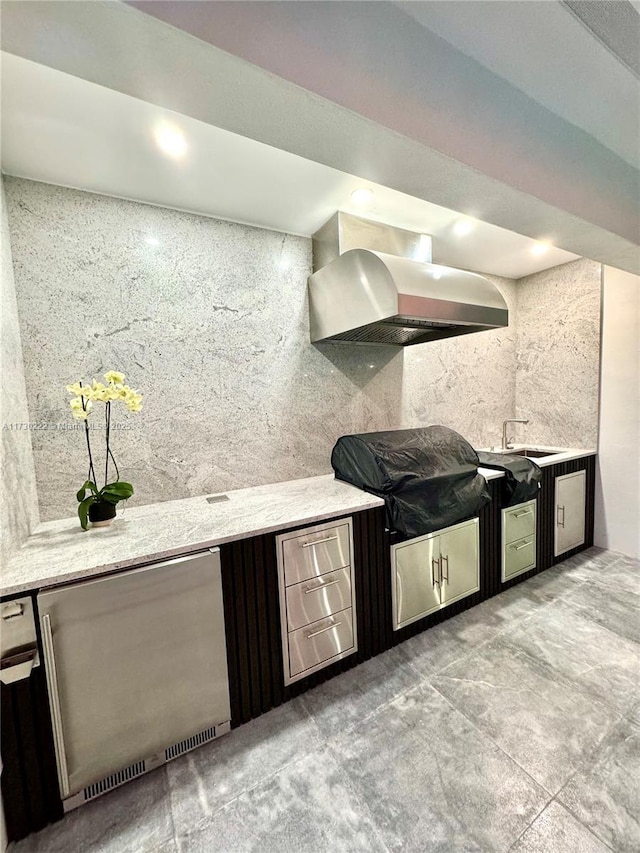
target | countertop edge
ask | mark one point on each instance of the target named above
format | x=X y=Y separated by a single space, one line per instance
x=365 y=502
x=368 y=502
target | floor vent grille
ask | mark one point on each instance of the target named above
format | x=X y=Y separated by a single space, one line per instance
x=114 y=780
x=189 y=743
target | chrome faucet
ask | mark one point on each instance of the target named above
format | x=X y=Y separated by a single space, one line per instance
x=505 y=440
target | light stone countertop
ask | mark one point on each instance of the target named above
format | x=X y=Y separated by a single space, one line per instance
x=60 y=551
x=558 y=454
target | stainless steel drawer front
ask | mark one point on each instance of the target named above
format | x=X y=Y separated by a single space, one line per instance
x=520 y=521
x=316 y=552
x=317 y=598
x=519 y=556
x=320 y=641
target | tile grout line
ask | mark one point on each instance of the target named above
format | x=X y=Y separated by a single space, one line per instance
x=326 y=742
x=497 y=745
x=362 y=803
x=575 y=816
x=527 y=828
x=174 y=834
x=519 y=621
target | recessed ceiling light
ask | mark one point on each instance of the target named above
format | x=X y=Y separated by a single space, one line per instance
x=464 y=226
x=152 y=241
x=171 y=140
x=362 y=196
x=540 y=248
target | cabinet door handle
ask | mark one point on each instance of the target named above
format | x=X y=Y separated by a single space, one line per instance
x=322 y=630
x=524 y=545
x=442 y=574
x=435 y=564
x=560 y=523
x=319 y=541
x=56 y=714
x=320 y=586
x=524 y=512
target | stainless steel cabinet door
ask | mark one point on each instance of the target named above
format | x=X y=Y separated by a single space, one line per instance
x=136 y=662
x=459 y=559
x=570 y=508
x=416 y=580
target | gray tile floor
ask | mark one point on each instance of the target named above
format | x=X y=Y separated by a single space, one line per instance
x=514 y=726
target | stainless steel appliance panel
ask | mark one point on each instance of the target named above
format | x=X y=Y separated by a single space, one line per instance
x=135 y=662
x=571 y=492
x=519 y=557
x=416 y=580
x=519 y=521
x=460 y=560
x=320 y=641
x=319 y=550
x=317 y=598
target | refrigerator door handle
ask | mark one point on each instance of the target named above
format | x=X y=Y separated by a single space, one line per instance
x=54 y=696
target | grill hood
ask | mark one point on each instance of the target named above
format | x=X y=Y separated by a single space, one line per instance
x=360 y=294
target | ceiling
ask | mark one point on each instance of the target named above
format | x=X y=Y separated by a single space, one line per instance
x=564 y=57
x=355 y=88
x=63 y=130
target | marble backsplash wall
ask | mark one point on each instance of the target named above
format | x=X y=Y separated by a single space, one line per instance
x=208 y=319
x=558 y=355
x=18 y=496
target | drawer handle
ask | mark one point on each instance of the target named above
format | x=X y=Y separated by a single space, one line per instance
x=435 y=567
x=560 y=523
x=524 y=512
x=319 y=541
x=524 y=545
x=322 y=630
x=321 y=586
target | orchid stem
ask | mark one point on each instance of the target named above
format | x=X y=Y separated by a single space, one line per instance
x=92 y=473
x=107 y=412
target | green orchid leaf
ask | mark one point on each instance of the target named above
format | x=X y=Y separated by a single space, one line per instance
x=123 y=490
x=88 y=484
x=110 y=498
x=83 y=511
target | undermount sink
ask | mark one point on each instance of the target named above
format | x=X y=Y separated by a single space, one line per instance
x=531 y=454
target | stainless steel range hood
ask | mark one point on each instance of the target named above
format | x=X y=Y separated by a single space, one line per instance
x=374 y=284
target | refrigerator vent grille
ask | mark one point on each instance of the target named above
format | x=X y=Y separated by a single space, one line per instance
x=189 y=743
x=114 y=780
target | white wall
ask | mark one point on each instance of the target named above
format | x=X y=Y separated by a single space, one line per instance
x=617 y=523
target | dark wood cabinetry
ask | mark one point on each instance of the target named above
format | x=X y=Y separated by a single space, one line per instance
x=254 y=640
x=30 y=792
x=252 y=616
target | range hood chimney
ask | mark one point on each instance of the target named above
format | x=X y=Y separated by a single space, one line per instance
x=375 y=284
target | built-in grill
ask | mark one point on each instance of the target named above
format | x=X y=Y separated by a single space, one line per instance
x=428 y=477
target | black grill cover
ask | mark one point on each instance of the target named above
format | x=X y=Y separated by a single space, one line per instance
x=428 y=477
x=522 y=476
